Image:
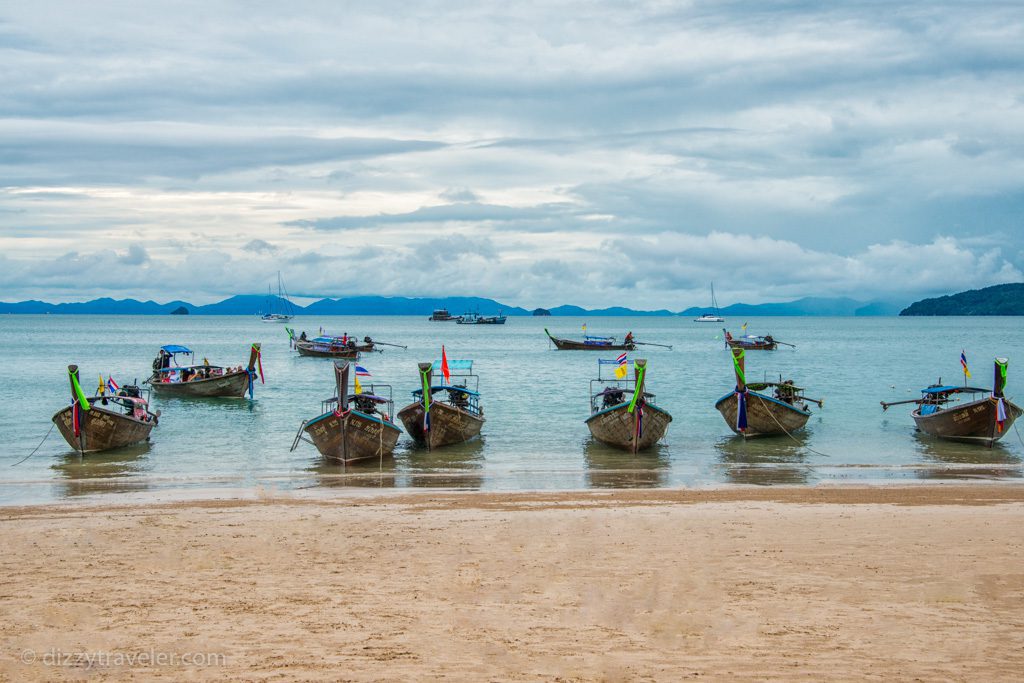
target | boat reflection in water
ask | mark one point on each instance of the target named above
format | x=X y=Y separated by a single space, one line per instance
x=958 y=460
x=764 y=461
x=458 y=466
x=121 y=470
x=613 y=468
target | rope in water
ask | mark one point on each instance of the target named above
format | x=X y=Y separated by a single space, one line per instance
x=37 y=447
x=796 y=440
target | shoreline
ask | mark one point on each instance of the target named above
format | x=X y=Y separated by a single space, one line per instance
x=948 y=492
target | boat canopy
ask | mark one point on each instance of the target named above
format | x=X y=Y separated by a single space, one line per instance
x=175 y=348
x=447 y=387
x=953 y=390
x=455 y=364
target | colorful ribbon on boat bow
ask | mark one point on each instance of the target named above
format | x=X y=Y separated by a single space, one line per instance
x=259 y=361
x=741 y=396
x=425 y=378
x=1000 y=414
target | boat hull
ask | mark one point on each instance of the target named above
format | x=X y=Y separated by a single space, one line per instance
x=323 y=351
x=448 y=424
x=233 y=385
x=752 y=346
x=973 y=422
x=616 y=427
x=352 y=437
x=766 y=416
x=101 y=429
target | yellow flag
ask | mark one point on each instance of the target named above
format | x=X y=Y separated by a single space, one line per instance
x=101 y=388
x=584 y=328
x=744 y=328
x=359 y=387
x=622 y=371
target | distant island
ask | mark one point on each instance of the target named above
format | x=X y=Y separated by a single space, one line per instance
x=995 y=300
x=252 y=304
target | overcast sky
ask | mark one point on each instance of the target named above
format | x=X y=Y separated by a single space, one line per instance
x=593 y=153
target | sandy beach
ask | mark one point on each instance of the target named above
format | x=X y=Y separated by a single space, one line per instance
x=827 y=583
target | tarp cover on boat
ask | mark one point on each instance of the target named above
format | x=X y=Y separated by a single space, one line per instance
x=175 y=348
x=946 y=389
x=455 y=364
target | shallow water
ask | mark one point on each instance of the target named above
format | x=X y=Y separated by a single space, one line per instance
x=535 y=401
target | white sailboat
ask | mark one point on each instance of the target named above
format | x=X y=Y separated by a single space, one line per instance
x=711 y=317
x=279 y=309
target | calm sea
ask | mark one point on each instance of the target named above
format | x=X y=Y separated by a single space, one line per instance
x=535 y=401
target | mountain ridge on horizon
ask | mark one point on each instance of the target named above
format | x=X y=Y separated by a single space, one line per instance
x=253 y=304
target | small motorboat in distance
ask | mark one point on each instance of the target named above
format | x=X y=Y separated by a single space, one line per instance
x=984 y=418
x=752 y=342
x=115 y=417
x=352 y=426
x=169 y=378
x=446 y=413
x=442 y=315
x=750 y=413
x=622 y=412
x=477 y=319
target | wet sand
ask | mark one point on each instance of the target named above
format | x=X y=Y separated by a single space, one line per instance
x=825 y=583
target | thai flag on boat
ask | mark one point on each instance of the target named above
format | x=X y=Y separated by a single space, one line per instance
x=112 y=385
x=362 y=372
x=963 y=363
x=623 y=369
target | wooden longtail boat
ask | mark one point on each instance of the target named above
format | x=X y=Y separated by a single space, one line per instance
x=984 y=419
x=352 y=427
x=623 y=414
x=590 y=343
x=752 y=342
x=454 y=417
x=203 y=381
x=334 y=346
x=750 y=413
x=103 y=422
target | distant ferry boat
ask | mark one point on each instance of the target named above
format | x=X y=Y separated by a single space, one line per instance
x=477 y=319
x=441 y=315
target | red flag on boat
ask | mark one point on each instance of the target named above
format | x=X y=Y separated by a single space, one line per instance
x=444 y=366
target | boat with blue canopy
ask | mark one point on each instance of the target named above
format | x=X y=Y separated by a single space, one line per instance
x=623 y=414
x=448 y=412
x=983 y=418
x=176 y=374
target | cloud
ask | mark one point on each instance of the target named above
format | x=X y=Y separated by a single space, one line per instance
x=259 y=247
x=528 y=140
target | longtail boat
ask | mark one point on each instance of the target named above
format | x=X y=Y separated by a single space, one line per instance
x=591 y=343
x=203 y=381
x=446 y=413
x=750 y=413
x=354 y=426
x=752 y=342
x=104 y=421
x=984 y=419
x=329 y=345
x=622 y=413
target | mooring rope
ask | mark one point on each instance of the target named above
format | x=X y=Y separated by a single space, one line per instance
x=44 y=440
x=796 y=440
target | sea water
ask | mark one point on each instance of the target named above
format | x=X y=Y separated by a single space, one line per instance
x=535 y=400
